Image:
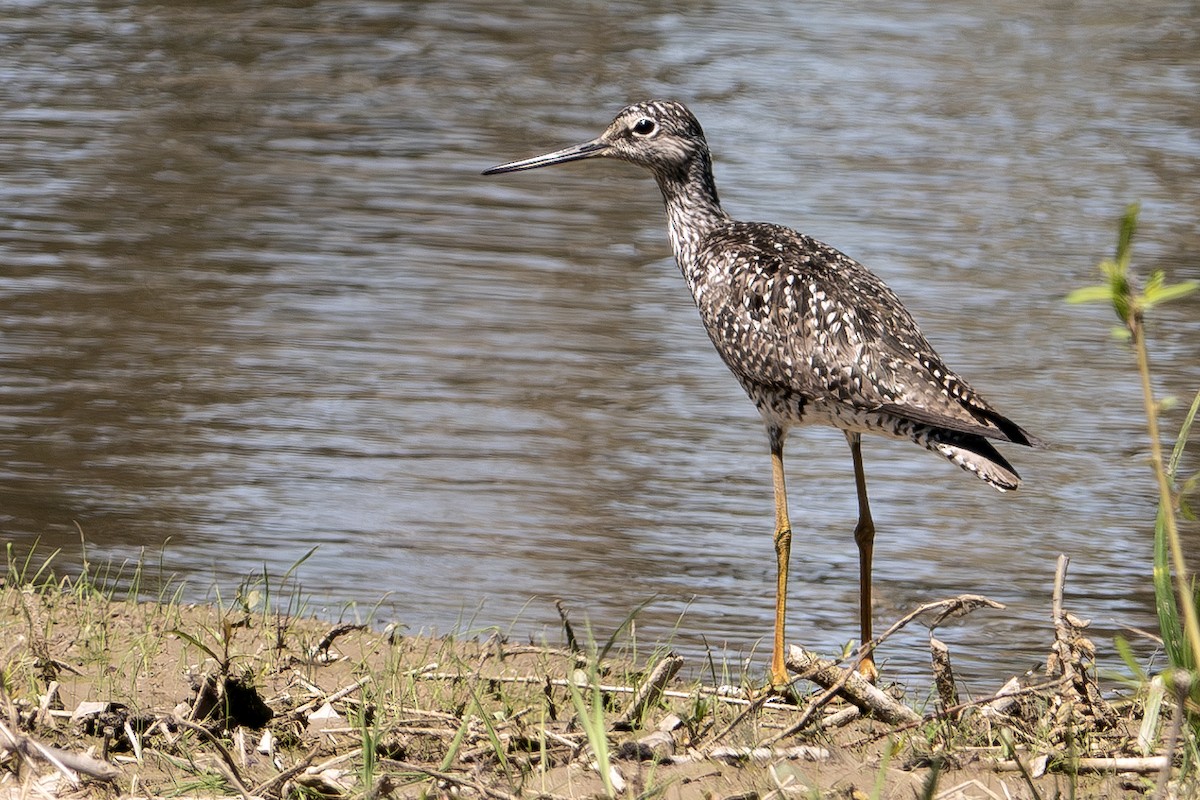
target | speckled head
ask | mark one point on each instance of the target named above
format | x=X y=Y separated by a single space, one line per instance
x=661 y=135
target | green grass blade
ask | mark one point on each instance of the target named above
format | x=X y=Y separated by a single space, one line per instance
x=612 y=640
x=1181 y=440
x=455 y=745
x=194 y=642
x=592 y=722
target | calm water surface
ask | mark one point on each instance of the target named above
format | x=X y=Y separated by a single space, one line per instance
x=257 y=299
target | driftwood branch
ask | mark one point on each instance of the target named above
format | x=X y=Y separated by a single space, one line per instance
x=850 y=685
x=64 y=761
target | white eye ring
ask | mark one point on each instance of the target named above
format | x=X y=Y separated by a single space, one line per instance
x=644 y=127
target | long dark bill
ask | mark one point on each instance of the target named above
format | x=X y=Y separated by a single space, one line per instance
x=572 y=153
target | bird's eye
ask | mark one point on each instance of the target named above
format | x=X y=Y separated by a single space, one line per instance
x=644 y=127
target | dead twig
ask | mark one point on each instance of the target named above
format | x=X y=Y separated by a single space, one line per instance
x=1072 y=657
x=322 y=647
x=943 y=672
x=1099 y=764
x=271 y=785
x=1060 y=660
x=754 y=707
x=568 y=631
x=742 y=755
x=950 y=607
x=809 y=711
x=1182 y=686
x=345 y=691
x=715 y=694
x=232 y=773
x=456 y=780
x=649 y=692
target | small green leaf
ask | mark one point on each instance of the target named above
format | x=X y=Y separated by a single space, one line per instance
x=1157 y=279
x=1091 y=294
x=1163 y=294
x=1125 y=238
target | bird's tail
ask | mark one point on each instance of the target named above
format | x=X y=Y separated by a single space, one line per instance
x=976 y=455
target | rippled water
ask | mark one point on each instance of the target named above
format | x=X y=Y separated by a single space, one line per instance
x=257 y=298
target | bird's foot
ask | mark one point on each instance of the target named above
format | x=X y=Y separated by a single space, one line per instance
x=867 y=669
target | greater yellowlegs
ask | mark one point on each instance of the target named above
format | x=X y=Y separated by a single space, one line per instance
x=813 y=336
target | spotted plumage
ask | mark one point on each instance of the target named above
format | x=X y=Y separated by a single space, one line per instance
x=813 y=336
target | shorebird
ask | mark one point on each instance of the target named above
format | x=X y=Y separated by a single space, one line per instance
x=812 y=336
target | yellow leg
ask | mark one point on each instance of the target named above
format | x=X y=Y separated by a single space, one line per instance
x=783 y=549
x=864 y=537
